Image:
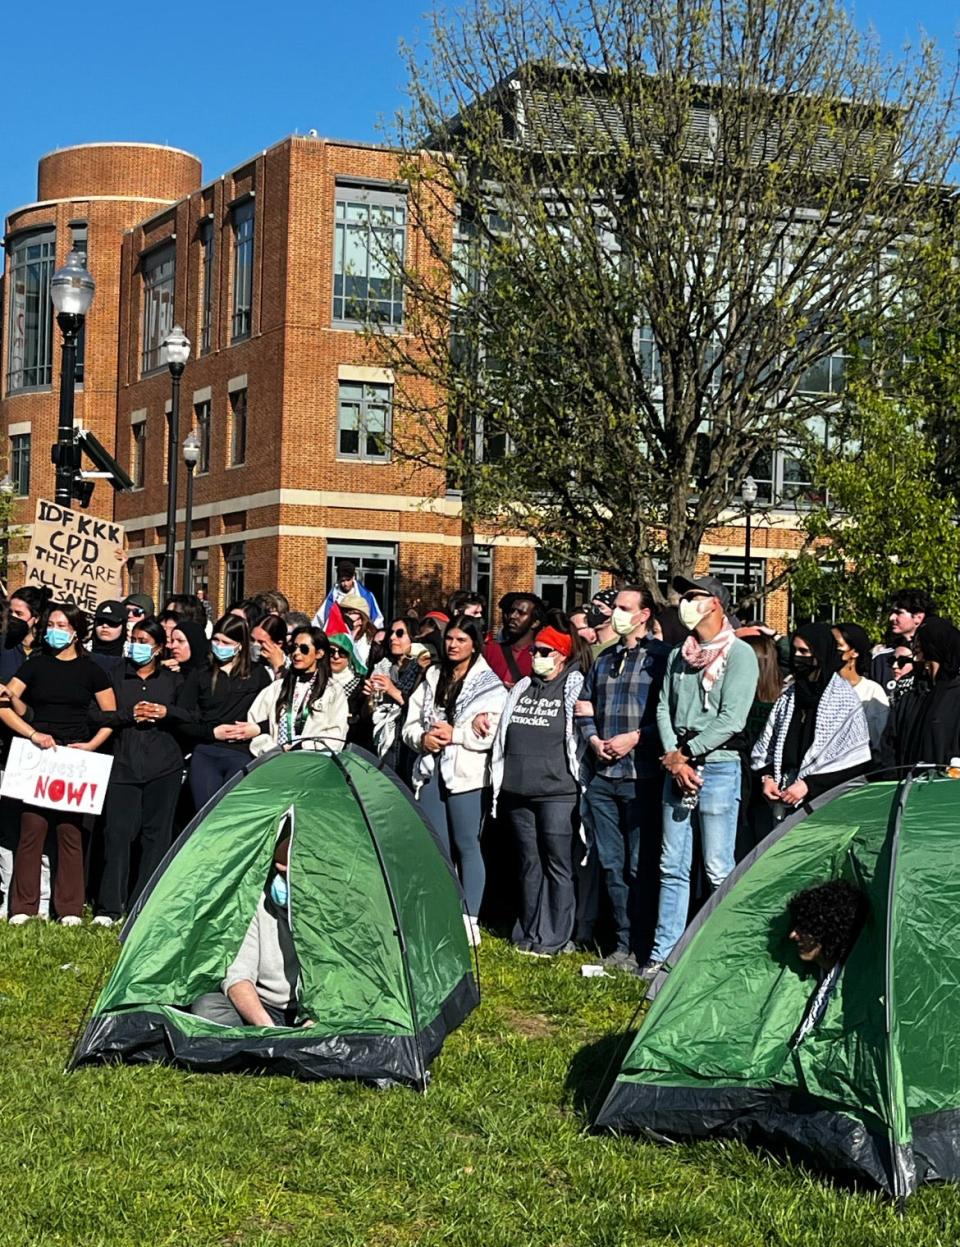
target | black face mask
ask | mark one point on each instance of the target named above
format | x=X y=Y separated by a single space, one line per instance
x=596 y=618
x=17 y=630
x=802 y=664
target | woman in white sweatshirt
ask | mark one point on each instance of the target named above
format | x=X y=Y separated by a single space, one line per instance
x=305 y=704
x=451 y=720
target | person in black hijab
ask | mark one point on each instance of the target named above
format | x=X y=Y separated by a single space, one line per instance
x=812 y=673
x=924 y=725
x=187 y=647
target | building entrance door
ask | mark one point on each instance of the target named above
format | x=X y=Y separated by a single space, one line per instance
x=376 y=566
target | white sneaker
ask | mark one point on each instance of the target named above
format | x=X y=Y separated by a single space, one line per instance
x=71 y=920
x=17 y=920
x=104 y=920
x=472 y=928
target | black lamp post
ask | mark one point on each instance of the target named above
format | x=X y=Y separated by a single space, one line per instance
x=748 y=496
x=71 y=289
x=175 y=351
x=7 y=490
x=191 y=457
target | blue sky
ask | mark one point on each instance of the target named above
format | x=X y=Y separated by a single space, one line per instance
x=231 y=80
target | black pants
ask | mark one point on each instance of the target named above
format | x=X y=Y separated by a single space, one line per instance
x=210 y=768
x=135 y=812
x=544 y=833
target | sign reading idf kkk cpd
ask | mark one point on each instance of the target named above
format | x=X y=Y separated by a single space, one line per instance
x=76 y=555
x=57 y=779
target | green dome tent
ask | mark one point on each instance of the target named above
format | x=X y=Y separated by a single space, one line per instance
x=872 y=1092
x=375 y=915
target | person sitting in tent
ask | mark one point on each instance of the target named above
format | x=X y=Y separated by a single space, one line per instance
x=824 y=922
x=261 y=986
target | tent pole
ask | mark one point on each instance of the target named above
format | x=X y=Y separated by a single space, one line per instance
x=900 y=1190
x=348 y=778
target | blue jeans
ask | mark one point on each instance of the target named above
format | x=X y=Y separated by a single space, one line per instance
x=622 y=815
x=716 y=814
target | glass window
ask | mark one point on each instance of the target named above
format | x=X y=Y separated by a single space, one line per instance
x=136 y=575
x=369 y=241
x=30 y=357
x=159 y=277
x=236 y=561
x=138 y=456
x=78 y=242
x=481 y=579
x=201 y=412
x=199 y=573
x=730 y=573
x=20 y=464
x=206 y=286
x=238 y=428
x=363 y=426
x=242 y=269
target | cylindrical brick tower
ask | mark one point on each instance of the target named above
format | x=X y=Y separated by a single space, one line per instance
x=87 y=196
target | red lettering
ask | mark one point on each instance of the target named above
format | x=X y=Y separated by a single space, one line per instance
x=75 y=795
x=41 y=788
x=93 y=794
x=57 y=789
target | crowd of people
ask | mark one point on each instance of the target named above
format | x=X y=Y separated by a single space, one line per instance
x=590 y=777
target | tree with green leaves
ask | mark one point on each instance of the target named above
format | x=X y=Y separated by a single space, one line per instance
x=636 y=227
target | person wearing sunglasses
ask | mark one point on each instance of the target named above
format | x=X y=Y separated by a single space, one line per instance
x=902 y=664
x=137 y=606
x=304 y=704
x=390 y=686
x=535 y=773
x=349 y=673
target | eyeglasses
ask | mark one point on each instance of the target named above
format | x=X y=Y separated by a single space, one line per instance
x=541 y=651
x=399 y=632
x=903 y=662
x=135 y=612
x=338 y=653
x=303 y=648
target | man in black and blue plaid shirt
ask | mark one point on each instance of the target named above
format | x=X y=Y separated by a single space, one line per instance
x=616 y=718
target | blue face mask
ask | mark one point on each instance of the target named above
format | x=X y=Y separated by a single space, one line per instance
x=279 y=890
x=223 y=653
x=141 y=652
x=58 y=638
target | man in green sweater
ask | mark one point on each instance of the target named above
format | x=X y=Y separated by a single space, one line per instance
x=707 y=693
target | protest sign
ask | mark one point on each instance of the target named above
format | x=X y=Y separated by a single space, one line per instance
x=75 y=555
x=57 y=779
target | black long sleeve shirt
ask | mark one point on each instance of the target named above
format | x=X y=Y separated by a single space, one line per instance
x=143 y=751
x=228 y=701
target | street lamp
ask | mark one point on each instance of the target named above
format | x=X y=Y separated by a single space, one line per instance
x=748 y=496
x=7 y=490
x=175 y=350
x=191 y=457
x=71 y=289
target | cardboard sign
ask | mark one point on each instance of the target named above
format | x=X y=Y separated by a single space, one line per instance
x=58 y=779
x=75 y=555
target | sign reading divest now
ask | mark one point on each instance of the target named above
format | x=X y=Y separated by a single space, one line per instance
x=57 y=779
x=75 y=555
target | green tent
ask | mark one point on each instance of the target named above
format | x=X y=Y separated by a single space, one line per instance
x=375 y=914
x=872 y=1092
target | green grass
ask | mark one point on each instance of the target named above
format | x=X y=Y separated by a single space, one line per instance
x=493 y=1154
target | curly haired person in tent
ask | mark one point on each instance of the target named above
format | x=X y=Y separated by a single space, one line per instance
x=825 y=920
x=261 y=985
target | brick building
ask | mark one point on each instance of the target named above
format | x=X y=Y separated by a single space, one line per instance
x=271 y=270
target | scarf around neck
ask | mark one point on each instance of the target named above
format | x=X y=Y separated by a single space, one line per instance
x=709 y=657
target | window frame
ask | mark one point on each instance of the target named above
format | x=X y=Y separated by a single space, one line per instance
x=385 y=402
x=19 y=454
x=203 y=418
x=239 y=420
x=158 y=296
x=45 y=238
x=243 y=226
x=207 y=254
x=138 y=454
x=371 y=199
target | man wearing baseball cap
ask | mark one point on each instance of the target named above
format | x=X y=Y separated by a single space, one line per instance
x=708 y=689
x=109 y=634
x=599 y=617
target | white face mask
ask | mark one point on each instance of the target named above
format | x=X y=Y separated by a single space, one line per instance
x=543 y=666
x=692 y=610
x=622 y=621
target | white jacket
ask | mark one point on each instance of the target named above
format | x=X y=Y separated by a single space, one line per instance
x=464 y=764
x=325 y=726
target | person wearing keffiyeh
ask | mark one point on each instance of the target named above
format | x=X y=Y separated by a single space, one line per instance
x=305 y=704
x=707 y=693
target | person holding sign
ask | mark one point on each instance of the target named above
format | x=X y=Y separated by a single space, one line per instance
x=58 y=684
x=147 y=768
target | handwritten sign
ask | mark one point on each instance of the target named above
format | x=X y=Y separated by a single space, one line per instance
x=75 y=555
x=57 y=779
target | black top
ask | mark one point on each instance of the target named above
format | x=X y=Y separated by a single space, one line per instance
x=535 y=748
x=144 y=751
x=208 y=705
x=60 y=692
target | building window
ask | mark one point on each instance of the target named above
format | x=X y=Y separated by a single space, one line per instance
x=368 y=249
x=730 y=573
x=363 y=423
x=20 y=464
x=135 y=575
x=78 y=243
x=481 y=572
x=242 y=269
x=199 y=574
x=201 y=413
x=238 y=428
x=30 y=358
x=159 y=276
x=138 y=455
x=235 y=557
x=206 y=290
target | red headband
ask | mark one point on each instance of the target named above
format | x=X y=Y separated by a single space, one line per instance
x=555 y=640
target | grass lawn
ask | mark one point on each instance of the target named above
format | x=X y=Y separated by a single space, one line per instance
x=493 y=1154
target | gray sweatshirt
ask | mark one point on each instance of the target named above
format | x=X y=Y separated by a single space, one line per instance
x=267 y=959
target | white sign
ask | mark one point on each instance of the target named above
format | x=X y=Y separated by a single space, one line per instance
x=57 y=779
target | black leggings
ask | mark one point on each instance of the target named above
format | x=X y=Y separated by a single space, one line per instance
x=210 y=768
